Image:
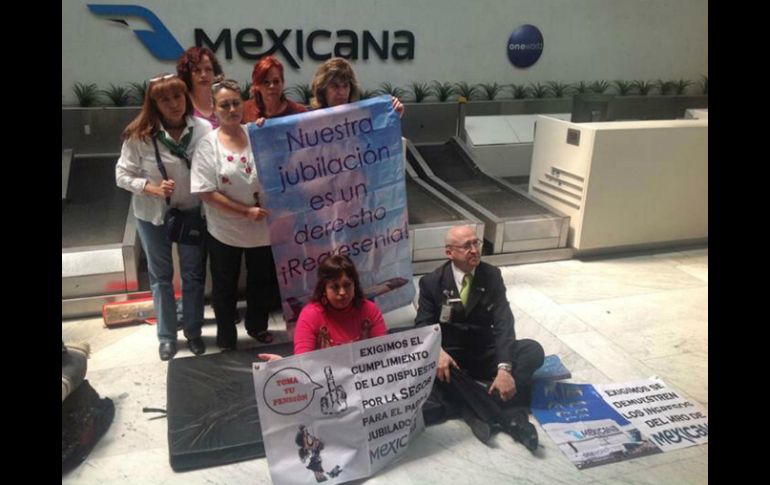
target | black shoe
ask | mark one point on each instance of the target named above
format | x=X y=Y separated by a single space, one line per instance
x=226 y=347
x=480 y=429
x=196 y=345
x=263 y=337
x=335 y=471
x=518 y=426
x=167 y=350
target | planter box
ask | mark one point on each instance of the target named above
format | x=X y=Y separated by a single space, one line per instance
x=91 y=131
x=98 y=130
x=436 y=122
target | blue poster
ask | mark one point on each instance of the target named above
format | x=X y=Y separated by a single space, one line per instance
x=584 y=427
x=333 y=183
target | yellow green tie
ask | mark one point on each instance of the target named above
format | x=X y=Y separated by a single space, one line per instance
x=466 y=288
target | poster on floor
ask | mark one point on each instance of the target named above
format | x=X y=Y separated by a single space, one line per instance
x=584 y=427
x=333 y=182
x=343 y=413
x=668 y=419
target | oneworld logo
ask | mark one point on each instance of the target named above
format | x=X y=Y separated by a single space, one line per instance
x=525 y=46
x=158 y=41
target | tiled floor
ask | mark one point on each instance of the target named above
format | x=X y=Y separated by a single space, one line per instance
x=610 y=320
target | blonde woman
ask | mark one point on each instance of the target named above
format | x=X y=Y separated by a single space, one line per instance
x=335 y=84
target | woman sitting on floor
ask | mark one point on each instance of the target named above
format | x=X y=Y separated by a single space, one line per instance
x=338 y=312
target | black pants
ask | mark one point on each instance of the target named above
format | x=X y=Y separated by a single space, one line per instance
x=526 y=357
x=261 y=288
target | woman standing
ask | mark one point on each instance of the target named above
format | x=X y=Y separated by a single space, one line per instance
x=335 y=84
x=197 y=68
x=165 y=133
x=225 y=177
x=268 y=100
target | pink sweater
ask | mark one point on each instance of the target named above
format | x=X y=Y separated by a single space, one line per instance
x=319 y=327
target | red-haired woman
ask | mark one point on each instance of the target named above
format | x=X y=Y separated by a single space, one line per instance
x=198 y=67
x=165 y=133
x=268 y=100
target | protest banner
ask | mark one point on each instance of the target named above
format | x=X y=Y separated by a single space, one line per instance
x=584 y=427
x=660 y=413
x=345 y=412
x=333 y=183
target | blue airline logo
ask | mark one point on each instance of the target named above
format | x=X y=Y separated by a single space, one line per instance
x=158 y=41
x=525 y=46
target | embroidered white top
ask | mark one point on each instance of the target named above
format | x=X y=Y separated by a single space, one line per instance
x=234 y=175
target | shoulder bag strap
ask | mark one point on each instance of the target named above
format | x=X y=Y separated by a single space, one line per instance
x=160 y=164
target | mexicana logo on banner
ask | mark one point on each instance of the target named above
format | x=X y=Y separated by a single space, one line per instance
x=334 y=184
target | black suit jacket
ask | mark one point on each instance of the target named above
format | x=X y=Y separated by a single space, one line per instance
x=486 y=322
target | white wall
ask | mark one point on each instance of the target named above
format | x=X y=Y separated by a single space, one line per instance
x=454 y=41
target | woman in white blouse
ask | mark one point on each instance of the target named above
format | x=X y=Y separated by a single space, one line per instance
x=225 y=177
x=165 y=126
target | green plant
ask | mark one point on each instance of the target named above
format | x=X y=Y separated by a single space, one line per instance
x=442 y=91
x=466 y=90
x=420 y=91
x=599 y=87
x=581 y=87
x=138 y=91
x=704 y=84
x=558 y=90
x=642 y=87
x=246 y=90
x=395 y=91
x=87 y=94
x=538 y=90
x=664 y=87
x=490 y=91
x=623 y=87
x=519 y=91
x=118 y=95
x=301 y=92
x=680 y=86
x=366 y=94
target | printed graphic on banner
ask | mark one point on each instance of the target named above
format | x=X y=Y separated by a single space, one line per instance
x=665 y=417
x=334 y=184
x=584 y=427
x=345 y=412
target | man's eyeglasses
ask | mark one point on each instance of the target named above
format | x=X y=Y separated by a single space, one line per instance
x=162 y=78
x=476 y=243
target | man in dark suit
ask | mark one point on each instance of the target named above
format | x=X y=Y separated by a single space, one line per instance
x=478 y=342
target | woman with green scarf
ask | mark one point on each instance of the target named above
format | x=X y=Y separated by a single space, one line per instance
x=154 y=166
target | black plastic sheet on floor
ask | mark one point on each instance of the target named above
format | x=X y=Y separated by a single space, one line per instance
x=212 y=410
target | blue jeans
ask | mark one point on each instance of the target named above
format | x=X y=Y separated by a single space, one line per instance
x=161 y=269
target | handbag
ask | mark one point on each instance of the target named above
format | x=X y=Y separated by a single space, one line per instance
x=182 y=226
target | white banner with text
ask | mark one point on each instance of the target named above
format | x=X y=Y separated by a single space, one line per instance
x=345 y=412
